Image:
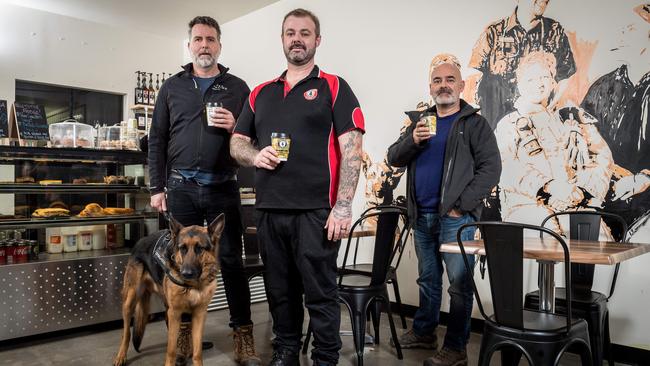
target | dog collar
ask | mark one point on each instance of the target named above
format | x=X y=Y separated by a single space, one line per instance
x=161 y=247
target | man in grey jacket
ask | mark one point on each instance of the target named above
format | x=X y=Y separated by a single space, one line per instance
x=453 y=163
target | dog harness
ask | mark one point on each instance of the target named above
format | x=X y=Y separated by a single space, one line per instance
x=159 y=250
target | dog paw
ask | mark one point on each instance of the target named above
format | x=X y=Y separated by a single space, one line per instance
x=119 y=360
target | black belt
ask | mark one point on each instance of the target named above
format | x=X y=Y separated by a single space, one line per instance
x=176 y=175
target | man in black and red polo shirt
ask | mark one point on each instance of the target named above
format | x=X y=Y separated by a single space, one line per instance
x=304 y=203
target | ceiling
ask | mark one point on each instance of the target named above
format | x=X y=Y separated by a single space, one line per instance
x=167 y=18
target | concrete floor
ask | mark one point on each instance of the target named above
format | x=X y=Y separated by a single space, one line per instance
x=98 y=347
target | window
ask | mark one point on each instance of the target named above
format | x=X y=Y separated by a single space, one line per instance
x=63 y=102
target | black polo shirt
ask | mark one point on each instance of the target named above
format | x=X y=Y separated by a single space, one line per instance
x=315 y=112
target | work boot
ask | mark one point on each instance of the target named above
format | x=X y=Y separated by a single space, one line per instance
x=412 y=340
x=284 y=357
x=245 y=346
x=447 y=357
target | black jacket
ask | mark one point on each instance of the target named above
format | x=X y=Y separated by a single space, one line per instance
x=180 y=138
x=472 y=162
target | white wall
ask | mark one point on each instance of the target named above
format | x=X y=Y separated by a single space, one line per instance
x=50 y=48
x=383 y=48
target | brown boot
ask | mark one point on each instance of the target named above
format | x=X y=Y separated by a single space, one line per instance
x=245 y=354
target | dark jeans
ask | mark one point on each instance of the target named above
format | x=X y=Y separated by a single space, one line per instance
x=300 y=260
x=191 y=204
x=430 y=231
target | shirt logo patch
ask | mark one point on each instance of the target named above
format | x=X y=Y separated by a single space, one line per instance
x=311 y=94
x=218 y=87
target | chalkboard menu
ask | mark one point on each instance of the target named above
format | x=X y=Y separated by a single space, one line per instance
x=30 y=121
x=4 y=123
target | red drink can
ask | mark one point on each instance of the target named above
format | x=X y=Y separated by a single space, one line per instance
x=3 y=253
x=10 y=246
x=21 y=251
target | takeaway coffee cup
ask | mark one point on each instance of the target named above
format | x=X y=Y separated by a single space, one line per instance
x=281 y=142
x=431 y=121
x=211 y=108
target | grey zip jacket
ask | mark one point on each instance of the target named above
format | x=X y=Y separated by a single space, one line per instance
x=472 y=162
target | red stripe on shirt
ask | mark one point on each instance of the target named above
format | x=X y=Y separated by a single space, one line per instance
x=358 y=120
x=333 y=83
x=253 y=95
x=334 y=161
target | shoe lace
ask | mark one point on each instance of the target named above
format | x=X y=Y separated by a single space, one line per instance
x=279 y=355
x=244 y=342
x=447 y=354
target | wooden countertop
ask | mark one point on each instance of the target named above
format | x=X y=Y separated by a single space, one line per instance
x=581 y=251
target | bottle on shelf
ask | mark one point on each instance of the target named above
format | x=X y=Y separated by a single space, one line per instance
x=163 y=79
x=138 y=90
x=157 y=85
x=145 y=90
x=152 y=91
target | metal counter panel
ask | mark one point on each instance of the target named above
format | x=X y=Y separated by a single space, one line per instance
x=82 y=289
x=48 y=296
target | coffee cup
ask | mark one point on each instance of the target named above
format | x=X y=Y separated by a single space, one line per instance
x=281 y=142
x=431 y=120
x=210 y=109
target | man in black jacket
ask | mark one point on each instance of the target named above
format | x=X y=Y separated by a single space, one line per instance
x=453 y=163
x=190 y=168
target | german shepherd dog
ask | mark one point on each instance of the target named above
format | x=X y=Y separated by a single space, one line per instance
x=185 y=279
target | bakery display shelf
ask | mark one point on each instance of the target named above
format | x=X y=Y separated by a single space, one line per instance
x=72 y=154
x=70 y=188
x=39 y=223
x=82 y=254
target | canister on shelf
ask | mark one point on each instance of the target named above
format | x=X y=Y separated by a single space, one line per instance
x=69 y=239
x=54 y=241
x=85 y=240
x=99 y=237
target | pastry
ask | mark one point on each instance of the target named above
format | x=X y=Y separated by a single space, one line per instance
x=25 y=180
x=118 y=179
x=51 y=212
x=118 y=211
x=79 y=181
x=92 y=210
x=95 y=210
x=50 y=181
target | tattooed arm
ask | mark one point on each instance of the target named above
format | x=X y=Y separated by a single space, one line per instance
x=243 y=151
x=340 y=219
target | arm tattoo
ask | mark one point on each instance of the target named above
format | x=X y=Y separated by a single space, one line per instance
x=351 y=144
x=242 y=151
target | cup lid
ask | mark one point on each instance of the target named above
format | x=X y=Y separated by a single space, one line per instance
x=280 y=135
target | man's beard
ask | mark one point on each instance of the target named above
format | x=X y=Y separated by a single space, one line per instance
x=204 y=60
x=299 y=59
x=447 y=99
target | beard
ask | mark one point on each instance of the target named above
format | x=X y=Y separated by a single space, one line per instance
x=445 y=97
x=204 y=60
x=299 y=58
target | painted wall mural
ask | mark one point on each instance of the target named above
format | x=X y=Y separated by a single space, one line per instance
x=567 y=143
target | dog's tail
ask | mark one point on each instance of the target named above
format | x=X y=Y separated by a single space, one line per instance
x=140 y=318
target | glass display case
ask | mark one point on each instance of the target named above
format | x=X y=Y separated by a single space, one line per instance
x=67 y=219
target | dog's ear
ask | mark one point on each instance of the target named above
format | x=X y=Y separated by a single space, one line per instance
x=215 y=228
x=174 y=226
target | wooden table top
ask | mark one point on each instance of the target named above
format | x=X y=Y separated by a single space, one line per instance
x=581 y=251
x=359 y=233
